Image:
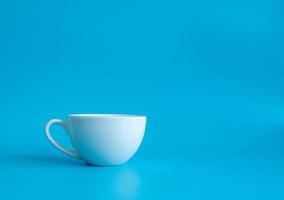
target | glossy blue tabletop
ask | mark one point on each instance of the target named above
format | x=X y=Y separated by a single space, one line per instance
x=248 y=166
x=33 y=175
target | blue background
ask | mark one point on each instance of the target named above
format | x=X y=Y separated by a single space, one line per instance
x=208 y=74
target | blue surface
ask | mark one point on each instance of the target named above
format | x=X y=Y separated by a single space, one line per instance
x=208 y=74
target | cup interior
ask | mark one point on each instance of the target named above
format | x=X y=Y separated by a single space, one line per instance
x=105 y=115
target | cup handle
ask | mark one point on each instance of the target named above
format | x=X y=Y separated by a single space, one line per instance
x=52 y=141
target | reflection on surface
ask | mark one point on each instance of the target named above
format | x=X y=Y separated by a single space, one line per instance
x=117 y=182
x=126 y=183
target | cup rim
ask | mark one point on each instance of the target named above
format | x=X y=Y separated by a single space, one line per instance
x=107 y=115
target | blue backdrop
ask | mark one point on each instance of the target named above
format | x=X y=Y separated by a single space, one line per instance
x=208 y=74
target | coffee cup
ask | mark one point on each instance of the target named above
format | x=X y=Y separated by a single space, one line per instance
x=101 y=139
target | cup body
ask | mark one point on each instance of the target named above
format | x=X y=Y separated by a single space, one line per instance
x=106 y=139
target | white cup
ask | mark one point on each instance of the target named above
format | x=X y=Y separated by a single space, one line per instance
x=101 y=139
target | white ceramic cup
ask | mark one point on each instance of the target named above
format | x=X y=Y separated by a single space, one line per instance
x=101 y=139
